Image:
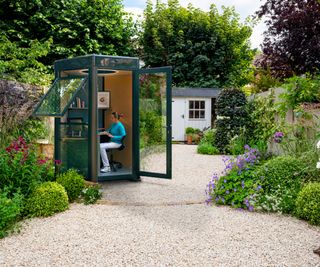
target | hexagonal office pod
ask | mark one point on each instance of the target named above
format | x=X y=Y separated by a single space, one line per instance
x=86 y=98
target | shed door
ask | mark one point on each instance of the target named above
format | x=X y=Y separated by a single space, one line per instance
x=178 y=118
x=155 y=122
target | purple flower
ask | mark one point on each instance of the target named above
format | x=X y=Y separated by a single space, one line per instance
x=259 y=187
x=235 y=189
x=250 y=208
x=277 y=137
x=224 y=180
x=223 y=200
x=227 y=192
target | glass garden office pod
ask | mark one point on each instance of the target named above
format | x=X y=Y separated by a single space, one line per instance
x=86 y=91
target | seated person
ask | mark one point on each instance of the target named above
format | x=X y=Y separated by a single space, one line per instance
x=116 y=132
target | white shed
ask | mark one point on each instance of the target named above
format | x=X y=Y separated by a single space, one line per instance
x=192 y=107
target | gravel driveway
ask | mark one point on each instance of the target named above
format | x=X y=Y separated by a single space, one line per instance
x=161 y=223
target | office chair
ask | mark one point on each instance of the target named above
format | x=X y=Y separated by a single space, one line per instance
x=114 y=165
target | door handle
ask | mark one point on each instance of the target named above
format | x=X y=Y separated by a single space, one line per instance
x=182 y=116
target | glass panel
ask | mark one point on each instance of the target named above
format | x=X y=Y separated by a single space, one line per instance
x=202 y=106
x=74 y=154
x=153 y=121
x=191 y=114
x=202 y=115
x=197 y=114
x=58 y=97
x=196 y=104
x=191 y=104
x=74 y=133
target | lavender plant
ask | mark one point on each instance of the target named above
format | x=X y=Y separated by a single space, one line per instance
x=237 y=185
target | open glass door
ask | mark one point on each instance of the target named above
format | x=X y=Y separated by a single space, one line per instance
x=155 y=122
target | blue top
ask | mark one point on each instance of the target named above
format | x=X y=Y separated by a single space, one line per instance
x=118 y=131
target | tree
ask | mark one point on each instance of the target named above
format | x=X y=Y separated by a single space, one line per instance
x=232 y=113
x=22 y=63
x=292 y=40
x=206 y=49
x=77 y=27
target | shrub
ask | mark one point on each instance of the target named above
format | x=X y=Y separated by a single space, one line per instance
x=73 y=182
x=190 y=130
x=281 y=180
x=10 y=210
x=207 y=148
x=151 y=129
x=237 y=186
x=308 y=203
x=91 y=194
x=21 y=169
x=232 y=115
x=300 y=89
x=47 y=199
x=208 y=136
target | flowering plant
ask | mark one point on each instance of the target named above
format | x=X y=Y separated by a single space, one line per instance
x=318 y=163
x=22 y=169
x=278 y=137
x=237 y=186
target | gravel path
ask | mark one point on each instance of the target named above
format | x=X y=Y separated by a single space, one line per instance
x=154 y=226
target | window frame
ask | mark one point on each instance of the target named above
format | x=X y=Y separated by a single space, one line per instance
x=194 y=109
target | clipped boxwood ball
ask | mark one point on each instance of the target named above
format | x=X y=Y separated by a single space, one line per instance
x=47 y=199
x=308 y=203
x=73 y=182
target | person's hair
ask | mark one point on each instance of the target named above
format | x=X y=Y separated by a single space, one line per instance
x=117 y=115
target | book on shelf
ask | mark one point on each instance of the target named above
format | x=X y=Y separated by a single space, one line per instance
x=78 y=102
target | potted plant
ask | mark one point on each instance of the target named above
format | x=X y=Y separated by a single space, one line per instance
x=189 y=133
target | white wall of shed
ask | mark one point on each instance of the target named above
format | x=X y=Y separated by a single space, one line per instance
x=178 y=128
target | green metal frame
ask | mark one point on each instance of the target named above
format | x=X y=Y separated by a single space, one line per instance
x=167 y=71
x=83 y=83
x=93 y=63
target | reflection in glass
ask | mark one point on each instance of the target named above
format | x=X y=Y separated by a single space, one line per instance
x=59 y=96
x=153 y=121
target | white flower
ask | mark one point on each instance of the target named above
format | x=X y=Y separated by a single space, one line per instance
x=318 y=145
x=318 y=165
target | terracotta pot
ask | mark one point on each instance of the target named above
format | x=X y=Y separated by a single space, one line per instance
x=189 y=139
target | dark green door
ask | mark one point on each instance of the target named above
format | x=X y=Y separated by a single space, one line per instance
x=154 y=117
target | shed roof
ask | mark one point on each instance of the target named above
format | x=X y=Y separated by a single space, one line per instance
x=195 y=92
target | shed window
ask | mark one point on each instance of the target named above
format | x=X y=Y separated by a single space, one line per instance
x=197 y=109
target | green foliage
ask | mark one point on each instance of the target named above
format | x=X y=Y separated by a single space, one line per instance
x=264 y=81
x=91 y=194
x=207 y=148
x=281 y=180
x=237 y=143
x=47 y=199
x=10 y=210
x=308 y=203
x=209 y=136
x=298 y=139
x=73 y=183
x=299 y=89
x=150 y=128
x=236 y=189
x=206 y=145
x=21 y=169
x=262 y=114
x=77 y=27
x=21 y=62
x=31 y=130
x=238 y=185
x=310 y=159
x=232 y=115
x=206 y=49
x=190 y=130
